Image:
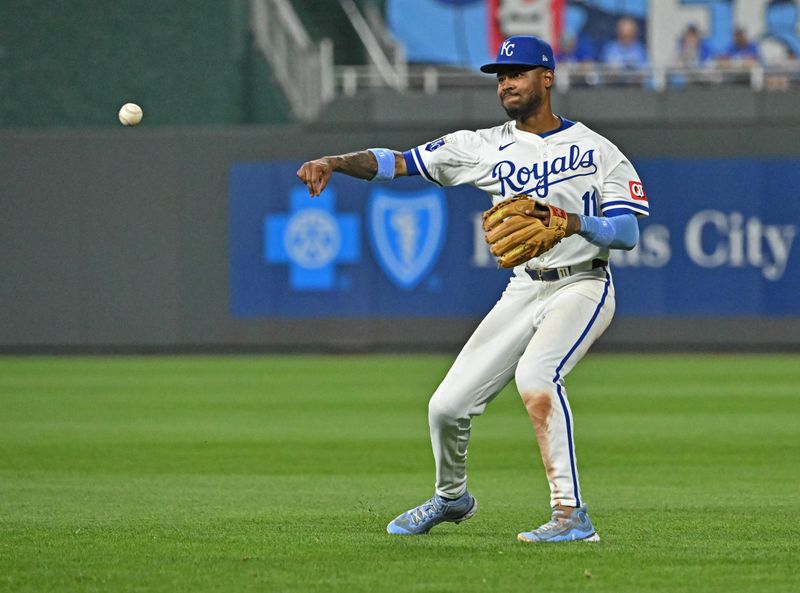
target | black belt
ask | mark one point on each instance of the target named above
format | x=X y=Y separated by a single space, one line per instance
x=558 y=273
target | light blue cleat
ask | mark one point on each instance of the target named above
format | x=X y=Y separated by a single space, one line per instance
x=430 y=513
x=561 y=528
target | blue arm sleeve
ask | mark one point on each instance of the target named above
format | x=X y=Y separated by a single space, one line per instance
x=617 y=232
x=385 y=158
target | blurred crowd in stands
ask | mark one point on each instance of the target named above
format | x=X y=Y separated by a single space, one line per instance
x=624 y=59
x=627 y=50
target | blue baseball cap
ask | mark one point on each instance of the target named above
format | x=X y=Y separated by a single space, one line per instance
x=522 y=50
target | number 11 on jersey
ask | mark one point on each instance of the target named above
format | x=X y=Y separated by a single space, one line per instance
x=590 y=203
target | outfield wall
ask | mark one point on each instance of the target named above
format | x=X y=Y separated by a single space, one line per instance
x=125 y=239
x=186 y=62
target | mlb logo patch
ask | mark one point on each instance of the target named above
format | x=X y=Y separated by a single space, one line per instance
x=637 y=191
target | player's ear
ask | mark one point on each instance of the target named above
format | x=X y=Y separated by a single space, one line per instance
x=549 y=77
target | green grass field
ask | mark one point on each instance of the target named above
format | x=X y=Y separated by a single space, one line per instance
x=278 y=474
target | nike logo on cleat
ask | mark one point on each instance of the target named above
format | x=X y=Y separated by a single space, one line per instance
x=504 y=146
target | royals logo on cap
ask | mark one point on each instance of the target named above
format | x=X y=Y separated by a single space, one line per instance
x=507 y=49
x=522 y=50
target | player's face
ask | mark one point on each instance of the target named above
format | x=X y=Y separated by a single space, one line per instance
x=522 y=92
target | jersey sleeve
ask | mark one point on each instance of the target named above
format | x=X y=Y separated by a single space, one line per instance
x=450 y=160
x=623 y=192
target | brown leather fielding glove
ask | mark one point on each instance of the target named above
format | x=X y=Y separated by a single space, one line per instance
x=515 y=237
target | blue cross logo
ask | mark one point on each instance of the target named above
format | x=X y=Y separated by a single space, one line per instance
x=312 y=238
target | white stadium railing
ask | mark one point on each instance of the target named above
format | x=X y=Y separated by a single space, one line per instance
x=352 y=80
x=303 y=69
x=391 y=70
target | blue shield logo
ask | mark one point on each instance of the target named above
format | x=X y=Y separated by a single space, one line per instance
x=407 y=232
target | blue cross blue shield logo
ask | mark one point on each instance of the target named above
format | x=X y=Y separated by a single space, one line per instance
x=407 y=231
x=312 y=238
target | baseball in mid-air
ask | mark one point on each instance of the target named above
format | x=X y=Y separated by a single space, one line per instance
x=130 y=114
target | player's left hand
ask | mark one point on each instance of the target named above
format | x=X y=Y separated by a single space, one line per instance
x=539 y=211
x=315 y=175
x=520 y=228
x=542 y=212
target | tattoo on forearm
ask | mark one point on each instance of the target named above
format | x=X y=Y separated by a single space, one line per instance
x=356 y=164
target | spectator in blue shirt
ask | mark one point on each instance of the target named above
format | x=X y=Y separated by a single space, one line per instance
x=742 y=51
x=694 y=54
x=693 y=50
x=626 y=51
x=575 y=49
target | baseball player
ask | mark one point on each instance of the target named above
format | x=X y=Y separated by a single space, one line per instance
x=556 y=304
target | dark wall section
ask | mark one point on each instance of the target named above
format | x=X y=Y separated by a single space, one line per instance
x=119 y=238
x=74 y=64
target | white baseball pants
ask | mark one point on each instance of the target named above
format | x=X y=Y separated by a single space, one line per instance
x=536 y=333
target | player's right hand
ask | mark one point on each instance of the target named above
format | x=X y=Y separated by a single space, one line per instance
x=315 y=174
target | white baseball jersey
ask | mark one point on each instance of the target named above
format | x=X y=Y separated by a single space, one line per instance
x=572 y=167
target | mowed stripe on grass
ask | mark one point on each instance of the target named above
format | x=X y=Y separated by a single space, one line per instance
x=280 y=474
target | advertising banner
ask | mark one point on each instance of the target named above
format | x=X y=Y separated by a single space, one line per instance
x=720 y=241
